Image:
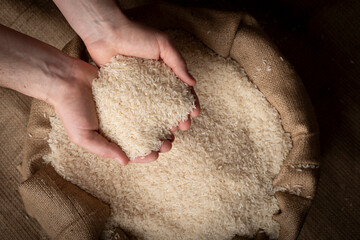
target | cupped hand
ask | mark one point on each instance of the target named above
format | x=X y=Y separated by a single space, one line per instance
x=107 y=32
x=134 y=39
x=77 y=110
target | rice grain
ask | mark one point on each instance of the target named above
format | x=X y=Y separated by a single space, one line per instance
x=215 y=183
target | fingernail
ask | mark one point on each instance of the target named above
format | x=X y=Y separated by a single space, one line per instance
x=120 y=161
x=192 y=77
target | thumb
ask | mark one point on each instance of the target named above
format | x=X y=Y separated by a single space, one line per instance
x=172 y=57
x=92 y=141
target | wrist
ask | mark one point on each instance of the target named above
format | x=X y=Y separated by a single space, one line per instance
x=92 y=19
x=106 y=29
x=30 y=66
x=77 y=76
x=59 y=81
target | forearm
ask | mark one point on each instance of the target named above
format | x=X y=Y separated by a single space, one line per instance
x=91 y=19
x=30 y=66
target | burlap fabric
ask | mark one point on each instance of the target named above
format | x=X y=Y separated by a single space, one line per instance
x=66 y=212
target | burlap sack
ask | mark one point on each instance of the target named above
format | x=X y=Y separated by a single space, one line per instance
x=66 y=212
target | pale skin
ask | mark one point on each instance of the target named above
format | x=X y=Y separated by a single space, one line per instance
x=42 y=71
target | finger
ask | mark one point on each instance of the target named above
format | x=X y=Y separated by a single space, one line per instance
x=185 y=125
x=97 y=144
x=172 y=138
x=172 y=57
x=149 y=158
x=165 y=147
x=174 y=129
x=196 y=111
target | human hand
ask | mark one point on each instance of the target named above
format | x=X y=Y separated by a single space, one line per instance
x=62 y=81
x=107 y=32
x=134 y=39
x=74 y=104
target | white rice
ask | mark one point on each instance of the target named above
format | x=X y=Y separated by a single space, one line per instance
x=127 y=94
x=215 y=183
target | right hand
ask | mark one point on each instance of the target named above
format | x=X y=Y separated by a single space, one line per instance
x=133 y=39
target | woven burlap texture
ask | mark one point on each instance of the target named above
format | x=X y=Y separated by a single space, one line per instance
x=232 y=34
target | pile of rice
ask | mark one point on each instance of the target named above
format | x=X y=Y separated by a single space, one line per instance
x=215 y=183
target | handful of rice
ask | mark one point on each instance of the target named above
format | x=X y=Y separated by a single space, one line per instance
x=215 y=183
x=138 y=101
